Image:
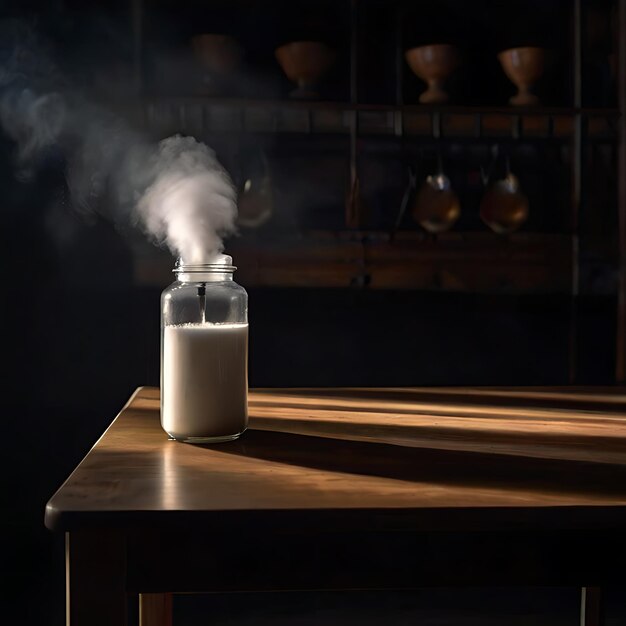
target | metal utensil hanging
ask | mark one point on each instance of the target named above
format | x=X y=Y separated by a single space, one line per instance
x=437 y=206
x=504 y=207
x=256 y=199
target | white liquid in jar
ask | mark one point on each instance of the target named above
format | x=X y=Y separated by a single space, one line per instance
x=204 y=389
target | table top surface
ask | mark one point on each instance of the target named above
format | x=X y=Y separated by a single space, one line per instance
x=433 y=458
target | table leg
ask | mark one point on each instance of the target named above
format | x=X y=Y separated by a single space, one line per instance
x=95 y=571
x=155 y=609
x=590 y=606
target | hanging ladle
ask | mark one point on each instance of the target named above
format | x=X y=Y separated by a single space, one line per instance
x=256 y=200
x=504 y=208
x=436 y=206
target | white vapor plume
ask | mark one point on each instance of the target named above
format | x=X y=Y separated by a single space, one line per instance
x=191 y=203
x=21 y=111
x=176 y=189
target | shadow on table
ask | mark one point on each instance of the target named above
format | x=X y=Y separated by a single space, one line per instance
x=422 y=464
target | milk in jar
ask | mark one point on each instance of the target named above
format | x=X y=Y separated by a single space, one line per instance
x=204 y=354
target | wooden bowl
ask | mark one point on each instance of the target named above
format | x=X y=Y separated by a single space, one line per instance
x=524 y=67
x=433 y=64
x=219 y=54
x=304 y=63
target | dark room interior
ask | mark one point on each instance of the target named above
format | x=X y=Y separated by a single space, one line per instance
x=414 y=211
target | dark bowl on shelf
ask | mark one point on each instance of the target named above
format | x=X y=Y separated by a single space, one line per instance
x=304 y=63
x=433 y=64
x=219 y=54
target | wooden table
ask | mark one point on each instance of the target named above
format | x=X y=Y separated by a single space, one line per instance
x=350 y=489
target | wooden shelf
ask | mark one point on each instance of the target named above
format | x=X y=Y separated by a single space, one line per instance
x=476 y=262
x=230 y=115
x=465 y=262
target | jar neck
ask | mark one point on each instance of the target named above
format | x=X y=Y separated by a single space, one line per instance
x=205 y=272
x=204 y=277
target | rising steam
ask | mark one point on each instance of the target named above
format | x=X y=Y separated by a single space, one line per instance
x=176 y=190
x=191 y=203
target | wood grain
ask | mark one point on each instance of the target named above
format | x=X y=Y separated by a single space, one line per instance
x=155 y=609
x=415 y=458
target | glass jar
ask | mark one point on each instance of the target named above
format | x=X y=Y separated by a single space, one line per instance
x=204 y=354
